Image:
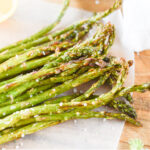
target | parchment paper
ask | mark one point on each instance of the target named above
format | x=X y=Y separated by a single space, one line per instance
x=137 y=24
x=91 y=134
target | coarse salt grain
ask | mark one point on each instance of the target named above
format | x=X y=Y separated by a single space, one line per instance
x=60 y=104
x=17 y=56
x=36 y=116
x=43 y=53
x=37 y=80
x=85 y=104
x=93 y=103
x=97 y=2
x=21 y=144
x=75 y=90
x=31 y=95
x=75 y=121
x=81 y=91
x=22 y=135
x=104 y=119
x=53 y=90
x=17 y=147
x=12 y=107
x=77 y=113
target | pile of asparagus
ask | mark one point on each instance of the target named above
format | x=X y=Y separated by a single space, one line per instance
x=34 y=71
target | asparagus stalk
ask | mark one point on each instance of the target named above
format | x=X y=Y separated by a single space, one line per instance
x=134 y=88
x=40 y=86
x=28 y=130
x=92 y=74
x=91 y=21
x=31 y=128
x=41 y=32
x=123 y=107
x=11 y=95
x=61 y=43
x=91 y=90
x=39 y=74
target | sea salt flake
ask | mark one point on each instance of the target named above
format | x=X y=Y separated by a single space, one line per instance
x=36 y=116
x=97 y=2
x=75 y=90
x=93 y=103
x=104 y=120
x=17 y=56
x=60 y=104
x=43 y=53
x=21 y=144
x=17 y=147
x=53 y=90
x=85 y=104
x=22 y=135
x=31 y=95
x=37 y=80
x=75 y=121
x=77 y=113
x=12 y=107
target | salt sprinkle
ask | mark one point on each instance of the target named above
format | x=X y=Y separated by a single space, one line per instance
x=43 y=53
x=104 y=119
x=77 y=113
x=37 y=80
x=31 y=95
x=75 y=90
x=4 y=114
x=17 y=146
x=60 y=104
x=53 y=90
x=85 y=104
x=21 y=144
x=81 y=91
x=17 y=56
x=97 y=2
x=36 y=116
x=93 y=103
x=12 y=107
x=75 y=121
x=22 y=135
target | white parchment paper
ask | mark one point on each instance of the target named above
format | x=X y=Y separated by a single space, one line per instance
x=91 y=134
x=137 y=24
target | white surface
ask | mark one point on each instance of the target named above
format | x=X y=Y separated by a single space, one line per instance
x=137 y=24
x=88 y=134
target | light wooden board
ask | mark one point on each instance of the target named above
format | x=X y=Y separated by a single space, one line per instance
x=142 y=74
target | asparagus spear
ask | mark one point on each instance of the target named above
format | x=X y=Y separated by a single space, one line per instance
x=61 y=43
x=77 y=52
x=22 y=88
x=137 y=88
x=41 y=32
x=123 y=107
x=92 y=74
x=91 y=90
x=91 y=21
x=39 y=86
x=40 y=74
x=31 y=128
